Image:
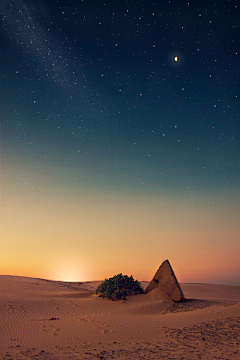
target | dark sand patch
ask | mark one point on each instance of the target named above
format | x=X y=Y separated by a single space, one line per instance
x=196 y=304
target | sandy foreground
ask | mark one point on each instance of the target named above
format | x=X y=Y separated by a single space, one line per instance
x=42 y=319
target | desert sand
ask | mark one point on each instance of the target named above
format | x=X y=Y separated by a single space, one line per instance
x=43 y=319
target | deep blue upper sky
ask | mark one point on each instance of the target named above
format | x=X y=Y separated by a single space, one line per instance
x=95 y=83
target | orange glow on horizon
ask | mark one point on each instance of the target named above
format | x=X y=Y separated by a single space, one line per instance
x=98 y=236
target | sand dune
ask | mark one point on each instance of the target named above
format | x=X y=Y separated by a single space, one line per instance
x=41 y=319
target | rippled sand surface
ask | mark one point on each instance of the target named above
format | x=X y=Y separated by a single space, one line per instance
x=42 y=319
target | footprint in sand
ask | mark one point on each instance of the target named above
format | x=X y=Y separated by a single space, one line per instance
x=219 y=314
x=83 y=320
x=58 y=329
x=106 y=331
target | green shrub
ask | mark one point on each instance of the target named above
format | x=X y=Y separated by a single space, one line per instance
x=118 y=287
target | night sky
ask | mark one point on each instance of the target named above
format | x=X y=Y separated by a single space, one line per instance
x=120 y=138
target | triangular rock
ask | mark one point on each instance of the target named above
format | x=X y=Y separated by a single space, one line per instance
x=166 y=281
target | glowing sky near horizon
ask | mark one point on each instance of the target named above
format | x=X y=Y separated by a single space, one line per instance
x=120 y=139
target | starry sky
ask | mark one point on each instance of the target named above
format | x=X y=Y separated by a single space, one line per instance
x=120 y=139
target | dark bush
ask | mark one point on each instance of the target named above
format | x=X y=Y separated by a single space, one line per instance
x=118 y=287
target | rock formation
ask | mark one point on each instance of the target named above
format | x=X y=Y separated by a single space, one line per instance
x=166 y=281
